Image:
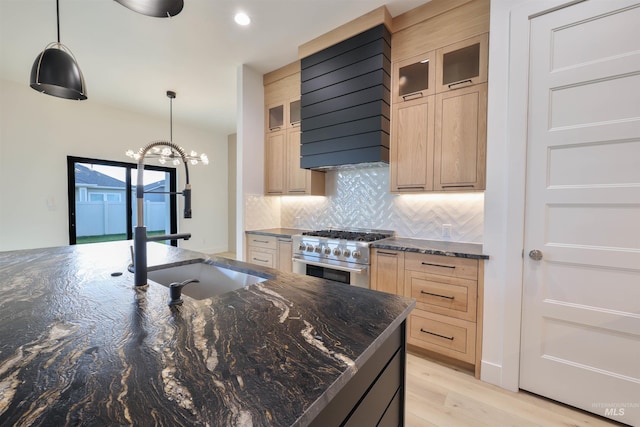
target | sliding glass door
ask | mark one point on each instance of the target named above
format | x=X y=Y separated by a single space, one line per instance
x=102 y=200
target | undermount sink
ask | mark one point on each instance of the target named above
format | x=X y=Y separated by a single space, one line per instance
x=213 y=280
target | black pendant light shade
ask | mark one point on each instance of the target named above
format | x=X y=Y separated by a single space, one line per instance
x=55 y=72
x=156 y=8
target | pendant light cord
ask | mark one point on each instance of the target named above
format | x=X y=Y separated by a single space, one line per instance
x=170 y=119
x=58 y=19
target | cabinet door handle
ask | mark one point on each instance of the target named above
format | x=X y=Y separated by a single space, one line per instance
x=414 y=95
x=260 y=241
x=460 y=83
x=275 y=128
x=409 y=188
x=457 y=185
x=285 y=240
x=437 y=335
x=437 y=295
x=260 y=260
x=388 y=253
x=439 y=265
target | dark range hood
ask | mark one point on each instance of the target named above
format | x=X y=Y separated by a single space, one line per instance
x=345 y=102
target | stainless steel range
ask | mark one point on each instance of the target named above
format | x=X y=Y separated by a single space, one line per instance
x=340 y=255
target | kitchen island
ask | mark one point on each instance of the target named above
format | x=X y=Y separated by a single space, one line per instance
x=80 y=345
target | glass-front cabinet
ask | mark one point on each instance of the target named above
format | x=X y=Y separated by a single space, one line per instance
x=294 y=113
x=275 y=117
x=462 y=64
x=414 y=77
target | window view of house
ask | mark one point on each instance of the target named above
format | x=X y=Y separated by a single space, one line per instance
x=104 y=192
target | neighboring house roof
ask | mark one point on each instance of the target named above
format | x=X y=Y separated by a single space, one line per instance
x=85 y=175
x=88 y=176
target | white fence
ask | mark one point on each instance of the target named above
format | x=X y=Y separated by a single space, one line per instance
x=105 y=218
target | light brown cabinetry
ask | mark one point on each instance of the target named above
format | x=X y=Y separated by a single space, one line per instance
x=438 y=121
x=412 y=148
x=387 y=271
x=283 y=175
x=447 y=320
x=461 y=139
x=462 y=64
x=270 y=251
x=285 y=255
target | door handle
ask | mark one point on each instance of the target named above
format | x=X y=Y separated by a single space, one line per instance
x=535 y=255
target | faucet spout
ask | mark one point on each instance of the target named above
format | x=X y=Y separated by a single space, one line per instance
x=184 y=236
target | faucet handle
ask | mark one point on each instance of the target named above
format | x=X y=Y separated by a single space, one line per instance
x=175 y=291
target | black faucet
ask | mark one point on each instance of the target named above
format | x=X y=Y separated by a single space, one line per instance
x=175 y=291
x=140 y=237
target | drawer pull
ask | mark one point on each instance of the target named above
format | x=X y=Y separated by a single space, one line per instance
x=387 y=253
x=437 y=335
x=437 y=295
x=439 y=265
x=260 y=260
x=260 y=241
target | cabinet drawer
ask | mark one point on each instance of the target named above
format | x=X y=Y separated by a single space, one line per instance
x=265 y=258
x=448 y=296
x=258 y=241
x=445 y=335
x=442 y=265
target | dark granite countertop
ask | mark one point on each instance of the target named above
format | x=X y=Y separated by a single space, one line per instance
x=79 y=346
x=277 y=232
x=434 y=247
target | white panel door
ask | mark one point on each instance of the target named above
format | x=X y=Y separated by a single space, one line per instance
x=581 y=303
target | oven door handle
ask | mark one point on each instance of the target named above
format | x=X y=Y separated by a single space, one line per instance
x=335 y=267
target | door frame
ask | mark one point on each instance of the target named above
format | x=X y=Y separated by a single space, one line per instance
x=504 y=279
x=173 y=204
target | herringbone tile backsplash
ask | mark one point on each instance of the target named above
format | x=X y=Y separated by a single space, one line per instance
x=359 y=197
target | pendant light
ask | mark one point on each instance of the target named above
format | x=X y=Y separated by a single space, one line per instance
x=168 y=151
x=155 y=8
x=56 y=72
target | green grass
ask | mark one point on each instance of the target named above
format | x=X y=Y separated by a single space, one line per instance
x=111 y=237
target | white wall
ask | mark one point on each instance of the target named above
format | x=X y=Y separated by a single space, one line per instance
x=38 y=132
x=250 y=145
x=504 y=197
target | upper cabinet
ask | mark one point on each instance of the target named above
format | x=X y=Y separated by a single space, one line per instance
x=440 y=54
x=462 y=64
x=414 y=77
x=275 y=117
x=460 y=139
x=283 y=175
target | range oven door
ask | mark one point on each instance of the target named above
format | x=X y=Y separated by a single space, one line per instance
x=352 y=275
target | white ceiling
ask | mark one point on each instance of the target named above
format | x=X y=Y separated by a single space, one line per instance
x=130 y=60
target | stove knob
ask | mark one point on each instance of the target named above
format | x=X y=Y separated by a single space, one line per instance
x=327 y=250
x=309 y=248
x=317 y=249
x=356 y=254
x=337 y=251
x=346 y=252
x=302 y=247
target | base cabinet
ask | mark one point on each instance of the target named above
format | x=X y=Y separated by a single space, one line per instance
x=375 y=396
x=270 y=251
x=447 y=320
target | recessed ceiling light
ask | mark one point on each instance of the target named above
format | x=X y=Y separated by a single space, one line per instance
x=242 y=18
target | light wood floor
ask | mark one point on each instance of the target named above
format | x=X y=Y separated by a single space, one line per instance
x=438 y=395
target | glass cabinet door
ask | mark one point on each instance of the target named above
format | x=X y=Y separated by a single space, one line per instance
x=414 y=77
x=462 y=64
x=275 y=117
x=294 y=113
